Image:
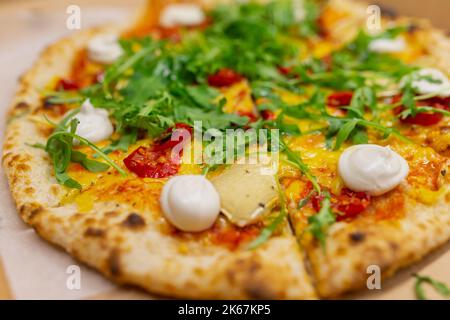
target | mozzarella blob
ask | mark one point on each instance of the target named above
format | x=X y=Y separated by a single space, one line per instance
x=371 y=168
x=388 y=45
x=421 y=83
x=104 y=49
x=190 y=202
x=181 y=14
x=94 y=123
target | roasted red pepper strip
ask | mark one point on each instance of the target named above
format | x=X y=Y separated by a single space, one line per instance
x=250 y=115
x=424 y=118
x=351 y=203
x=348 y=204
x=224 y=78
x=66 y=85
x=268 y=115
x=285 y=70
x=148 y=163
x=340 y=99
x=157 y=161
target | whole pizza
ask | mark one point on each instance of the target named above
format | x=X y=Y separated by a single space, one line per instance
x=239 y=150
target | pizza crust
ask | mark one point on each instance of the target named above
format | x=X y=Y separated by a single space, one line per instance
x=390 y=245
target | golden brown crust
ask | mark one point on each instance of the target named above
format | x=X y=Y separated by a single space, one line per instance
x=390 y=245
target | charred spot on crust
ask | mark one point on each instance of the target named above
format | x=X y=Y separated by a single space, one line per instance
x=388 y=12
x=29 y=211
x=22 y=106
x=258 y=291
x=113 y=263
x=20 y=109
x=23 y=167
x=357 y=237
x=94 y=232
x=413 y=27
x=111 y=214
x=393 y=246
x=134 y=221
x=29 y=190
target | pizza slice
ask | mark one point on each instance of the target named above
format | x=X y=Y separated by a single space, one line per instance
x=93 y=186
x=358 y=221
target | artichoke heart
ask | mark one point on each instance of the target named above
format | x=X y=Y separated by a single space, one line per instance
x=246 y=192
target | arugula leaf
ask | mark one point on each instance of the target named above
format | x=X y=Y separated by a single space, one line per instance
x=202 y=95
x=359 y=136
x=320 y=222
x=60 y=150
x=36 y=145
x=88 y=164
x=123 y=64
x=408 y=98
x=345 y=132
x=362 y=97
x=305 y=200
x=408 y=112
x=62 y=97
x=61 y=136
x=355 y=129
x=289 y=129
x=122 y=144
x=270 y=229
x=440 y=287
x=296 y=161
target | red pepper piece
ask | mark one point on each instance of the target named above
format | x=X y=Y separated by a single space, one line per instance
x=224 y=78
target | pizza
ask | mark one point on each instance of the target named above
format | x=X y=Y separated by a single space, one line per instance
x=251 y=150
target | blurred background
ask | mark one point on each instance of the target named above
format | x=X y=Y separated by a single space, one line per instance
x=436 y=10
x=28 y=26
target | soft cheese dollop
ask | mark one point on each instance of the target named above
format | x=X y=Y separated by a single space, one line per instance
x=94 y=123
x=104 y=49
x=190 y=202
x=371 y=168
x=182 y=14
x=429 y=81
x=387 y=45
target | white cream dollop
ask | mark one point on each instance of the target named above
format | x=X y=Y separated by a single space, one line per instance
x=182 y=14
x=190 y=202
x=94 y=123
x=104 y=49
x=440 y=84
x=387 y=45
x=371 y=168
